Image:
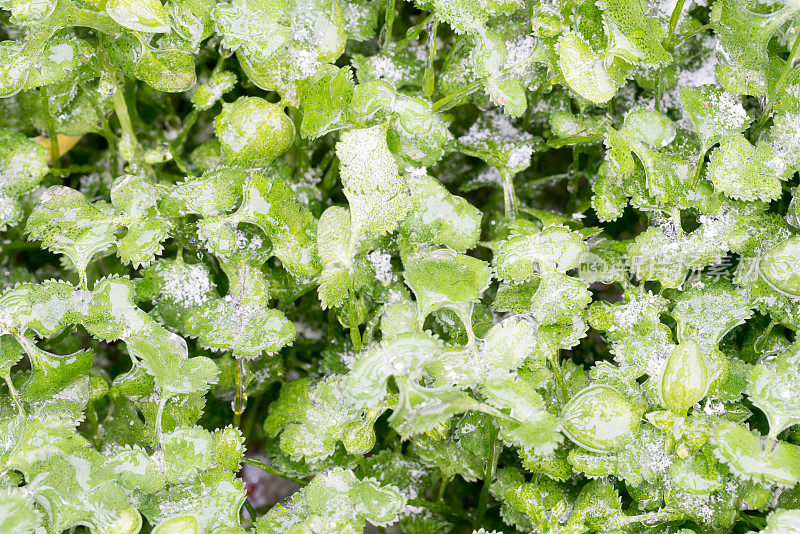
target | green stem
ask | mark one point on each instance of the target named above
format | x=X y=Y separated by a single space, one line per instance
x=389 y=23
x=162 y=403
x=355 y=333
x=413 y=32
x=698 y=170
x=673 y=21
x=491 y=467
x=781 y=81
x=14 y=393
x=250 y=510
x=428 y=79
x=442 y=487
x=255 y=462
x=121 y=109
x=240 y=401
x=50 y=124
x=558 y=374
x=441 y=509
x=75 y=169
x=509 y=196
x=177 y=143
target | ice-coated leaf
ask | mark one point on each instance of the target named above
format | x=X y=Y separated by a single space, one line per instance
x=507 y=345
x=112 y=314
x=779 y=267
x=707 y=312
x=69 y=477
x=379 y=197
x=245 y=329
x=444 y=278
x=599 y=419
x=405 y=355
x=333 y=236
x=437 y=216
x=596 y=77
x=140 y=15
x=334 y=501
x=271 y=204
x=633 y=35
x=17 y=512
x=312 y=418
x=22 y=167
x=558 y=298
x=714 y=112
x=685 y=379
x=638 y=337
x=743 y=35
x=67 y=224
x=212 y=500
x=745 y=454
x=743 y=171
x=135 y=470
x=528 y=425
x=137 y=199
x=774 y=387
x=420 y=409
x=499 y=142
x=782 y=521
x=324 y=101
x=522 y=256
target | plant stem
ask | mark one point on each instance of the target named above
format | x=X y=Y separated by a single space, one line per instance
x=698 y=170
x=250 y=510
x=781 y=81
x=240 y=401
x=55 y=151
x=441 y=508
x=177 y=143
x=428 y=80
x=413 y=32
x=255 y=462
x=355 y=333
x=388 y=23
x=509 y=198
x=14 y=393
x=559 y=377
x=491 y=467
x=673 y=21
x=162 y=403
x=442 y=487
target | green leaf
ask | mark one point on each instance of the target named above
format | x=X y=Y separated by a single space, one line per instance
x=599 y=419
x=596 y=77
x=334 y=501
x=245 y=329
x=706 y=312
x=632 y=34
x=444 y=278
x=773 y=387
x=379 y=197
x=742 y=171
x=22 y=167
x=556 y=247
x=67 y=224
x=324 y=102
x=17 y=512
x=744 y=453
x=714 y=113
x=437 y=216
x=141 y=15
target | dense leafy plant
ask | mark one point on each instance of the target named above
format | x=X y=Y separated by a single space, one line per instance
x=447 y=265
